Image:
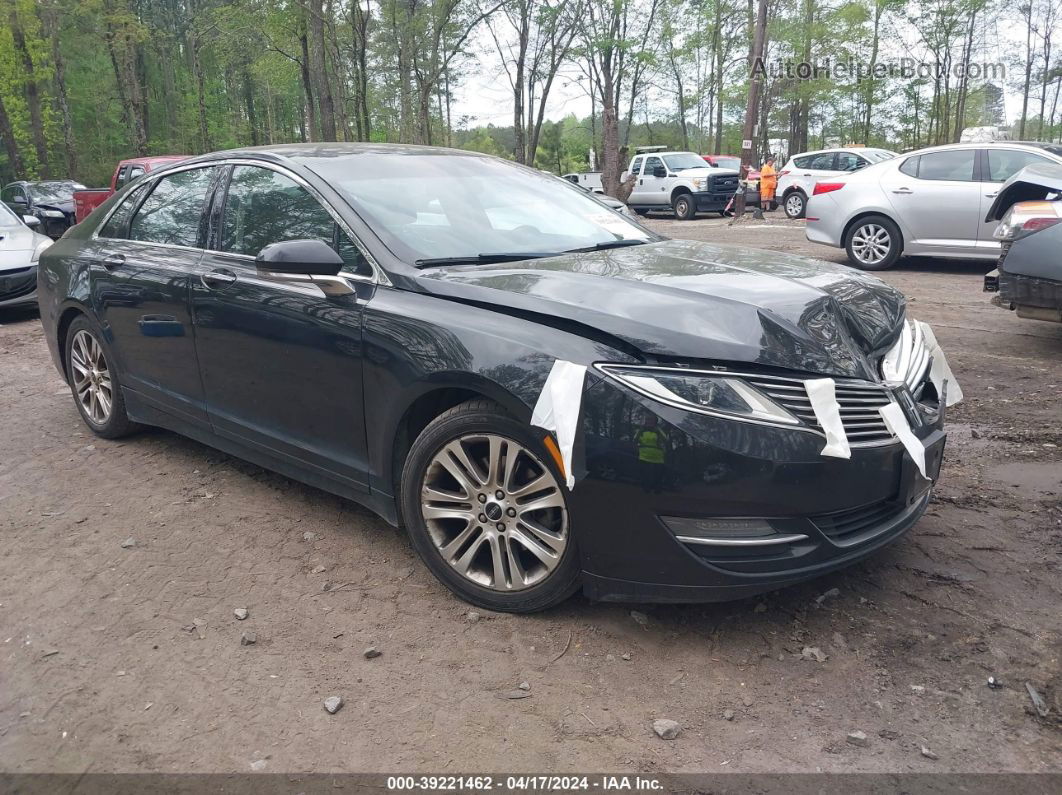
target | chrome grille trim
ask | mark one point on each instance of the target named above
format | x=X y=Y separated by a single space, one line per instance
x=908 y=360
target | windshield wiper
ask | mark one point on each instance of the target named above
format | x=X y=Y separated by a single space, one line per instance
x=483 y=259
x=607 y=245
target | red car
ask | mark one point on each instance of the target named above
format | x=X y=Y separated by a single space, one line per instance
x=751 y=179
x=85 y=201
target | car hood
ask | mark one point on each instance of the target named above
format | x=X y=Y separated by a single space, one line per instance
x=686 y=300
x=66 y=207
x=15 y=244
x=707 y=171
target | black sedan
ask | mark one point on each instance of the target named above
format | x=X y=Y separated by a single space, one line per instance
x=380 y=322
x=51 y=201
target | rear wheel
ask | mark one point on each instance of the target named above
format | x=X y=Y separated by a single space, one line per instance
x=485 y=508
x=795 y=204
x=94 y=381
x=873 y=243
x=684 y=206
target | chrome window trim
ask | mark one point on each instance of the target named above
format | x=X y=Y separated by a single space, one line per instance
x=378 y=274
x=868 y=386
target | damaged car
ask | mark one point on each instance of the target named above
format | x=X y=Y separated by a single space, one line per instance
x=545 y=395
x=1028 y=276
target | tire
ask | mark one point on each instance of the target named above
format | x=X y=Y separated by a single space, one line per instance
x=795 y=204
x=640 y=210
x=873 y=243
x=94 y=381
x=685 y=207
x=459 y=548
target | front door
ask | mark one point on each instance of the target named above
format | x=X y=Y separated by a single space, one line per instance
x=937 y=199
x=140 y=265
x=650 y=189
x=281 y=363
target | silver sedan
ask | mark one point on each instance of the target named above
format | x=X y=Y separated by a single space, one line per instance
x=931 y=202
x=20 y=248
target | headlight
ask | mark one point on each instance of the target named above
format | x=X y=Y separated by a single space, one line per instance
x=699 y=183
x=1024 y=218
x=52 y=213
x=706 y=393
x=40 y=250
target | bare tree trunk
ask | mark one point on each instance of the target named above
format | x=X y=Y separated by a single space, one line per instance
x=310 y=130
x=14 y=156
x=33 y=97
x=1028 y=70
x=51 y=24
x=319 y=70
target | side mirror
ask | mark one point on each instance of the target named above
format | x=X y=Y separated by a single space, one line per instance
x=659 y=171
x=300 y=257
x=31 y=221
x=309 y=262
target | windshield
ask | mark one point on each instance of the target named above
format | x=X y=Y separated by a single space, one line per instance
x=54 y=192
x=428 y=207
x=877 y=155
x=728 y=162
x=8 y=219
x=684 y=160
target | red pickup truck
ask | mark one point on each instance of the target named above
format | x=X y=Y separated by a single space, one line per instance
x=85 y=201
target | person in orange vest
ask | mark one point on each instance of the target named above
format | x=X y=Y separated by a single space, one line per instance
x=768 y=184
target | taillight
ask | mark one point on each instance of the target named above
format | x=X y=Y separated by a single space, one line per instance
x=826 y=187
x=1024 y=218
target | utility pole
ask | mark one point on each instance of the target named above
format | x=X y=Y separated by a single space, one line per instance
x=752 y=109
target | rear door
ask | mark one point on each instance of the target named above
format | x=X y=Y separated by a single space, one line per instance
x=142 y=260
x=281 y=363
x=813 y=168
x=997 y=166
x=936 y=197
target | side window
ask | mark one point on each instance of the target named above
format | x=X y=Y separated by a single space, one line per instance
x=802 y=162
x=651 y=164
x=119 y=220
x=264 y=206
x=1005 y=163
x=910 y=166
x=636 y=166
x=173 y=212
x=846 y=161
x=823 y=162
x=954 y=165
x=122 y=178
x=134 y=172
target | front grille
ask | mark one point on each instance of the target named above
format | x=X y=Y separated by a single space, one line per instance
x=849 y=525
x=858 y=402
x=725 y=184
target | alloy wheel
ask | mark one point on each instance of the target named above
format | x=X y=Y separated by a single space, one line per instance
x=871 y=244
x=494 y=512
x=92 y=377
x=794 y=205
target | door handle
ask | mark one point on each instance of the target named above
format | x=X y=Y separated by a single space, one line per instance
x=903 y=191
x=991 y=195
x=218 y=278
x=113 y=261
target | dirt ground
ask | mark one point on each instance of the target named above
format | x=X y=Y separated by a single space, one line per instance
x=116 y=658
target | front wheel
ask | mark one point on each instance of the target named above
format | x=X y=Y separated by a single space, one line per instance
x=873 y=243
x=795 y=204
x=684 y=206
x=485 y=509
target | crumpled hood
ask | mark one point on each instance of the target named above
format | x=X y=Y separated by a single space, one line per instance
x=680 y=299
x=66 y=207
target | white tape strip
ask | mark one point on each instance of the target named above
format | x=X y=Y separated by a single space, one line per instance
x=896 y=422
x=940 y=372
x=557 y=409
x=823 y=396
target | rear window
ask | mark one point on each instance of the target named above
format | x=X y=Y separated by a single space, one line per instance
x=820 y=162
x=118 y=222
x=956 y=165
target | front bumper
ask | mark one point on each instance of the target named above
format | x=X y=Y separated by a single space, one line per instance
x=18 y=286
x=845 y=510
x=713 y=201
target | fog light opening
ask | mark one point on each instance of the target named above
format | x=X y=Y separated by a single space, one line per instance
x=728 y=531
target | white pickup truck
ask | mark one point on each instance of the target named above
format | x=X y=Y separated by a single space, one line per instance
x=682 y=181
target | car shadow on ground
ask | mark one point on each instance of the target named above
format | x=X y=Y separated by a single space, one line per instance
x=944 y=266
x=19 y=314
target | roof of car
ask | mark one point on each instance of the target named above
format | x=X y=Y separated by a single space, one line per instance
x=841 y=149
x=1054 y=149
x=329 y=149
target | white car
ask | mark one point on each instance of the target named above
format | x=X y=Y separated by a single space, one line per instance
x=931 y=202
x=796 y=180
x=680 y=181
x=20 y=249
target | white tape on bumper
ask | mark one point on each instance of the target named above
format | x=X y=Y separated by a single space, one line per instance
x=940 y=372
x=822 y=393
x=896 y=421
x=557 y=409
